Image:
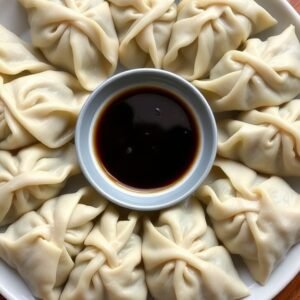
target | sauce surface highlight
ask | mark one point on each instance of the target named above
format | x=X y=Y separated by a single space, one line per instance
x=146 y=138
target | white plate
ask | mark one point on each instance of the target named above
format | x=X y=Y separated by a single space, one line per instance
x=12 y=286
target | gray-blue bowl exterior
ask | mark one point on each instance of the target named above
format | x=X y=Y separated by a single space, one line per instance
x=141 y=199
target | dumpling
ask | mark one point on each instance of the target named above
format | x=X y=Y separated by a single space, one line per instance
x=183 y=260
x=266 y=73
x=43 y=244
x=254 y=216
x=41 y=108
x=144 y=30
x=109 y=267
x=31 y=177
x=17 y=57
x=266 y=140
x=206 y=29
x=77 y=36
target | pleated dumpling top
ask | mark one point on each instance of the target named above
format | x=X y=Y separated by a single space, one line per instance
x=265 y=73
x=42 y=245
x=183 y=260
x=255 y=216
x=206 y=29
x=77 y=36
x=266 y=140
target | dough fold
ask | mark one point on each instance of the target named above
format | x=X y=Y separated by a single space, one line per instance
x=109 y=267
x=32 y=176
x=265 y=73
x=77 y=36
x=206 y=29
x=42 y=108
x=183 y=260
x=42 y=245
x=266 y=140
x=254 y=216
x=144 y=30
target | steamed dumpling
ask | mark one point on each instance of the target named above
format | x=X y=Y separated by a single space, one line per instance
x=41 y=108
x=31 y=177
x=266 y=140
x=109 y=267
x=206 y=29
x=144 y=29
x=78 y=36
x=183 y=260
x=43 y=244
x=17 y=57
x=266 y=73
x=254 y=216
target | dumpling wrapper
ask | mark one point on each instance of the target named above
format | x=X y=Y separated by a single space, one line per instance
x=266 y=73
x=144 y=30
x=254 y=216
x=43 y=244
x=32 y=176
x=17 y=57
x=183 y=260
x=109 y=267
x=206 y=29
x=266 y=140
x=41 y=108
x=77 y=36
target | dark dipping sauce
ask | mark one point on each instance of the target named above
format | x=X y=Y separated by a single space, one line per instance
x=146 y=138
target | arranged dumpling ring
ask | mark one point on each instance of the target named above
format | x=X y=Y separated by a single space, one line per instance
x=88 y=248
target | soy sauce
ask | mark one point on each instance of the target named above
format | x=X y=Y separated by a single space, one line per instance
x=146 y=138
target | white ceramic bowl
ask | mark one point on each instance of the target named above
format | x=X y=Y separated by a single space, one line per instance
x=146 y=199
